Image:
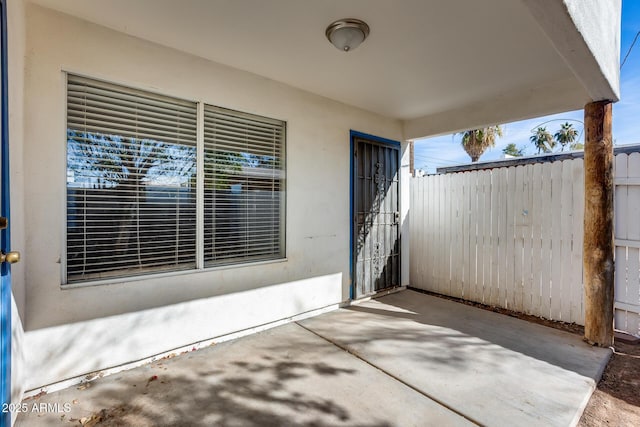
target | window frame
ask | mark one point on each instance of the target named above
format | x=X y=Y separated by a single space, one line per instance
x=200 y=265
x=243 y=116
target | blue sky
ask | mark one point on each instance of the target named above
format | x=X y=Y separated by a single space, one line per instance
x=445 y=150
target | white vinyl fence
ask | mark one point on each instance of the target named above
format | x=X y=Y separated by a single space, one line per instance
x=627 y=241
x=512 y=237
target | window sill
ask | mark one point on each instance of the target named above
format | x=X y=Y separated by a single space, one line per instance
x=121 y=280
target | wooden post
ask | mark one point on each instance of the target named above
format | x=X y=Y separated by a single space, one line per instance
x=598 y=245
x=412 y=164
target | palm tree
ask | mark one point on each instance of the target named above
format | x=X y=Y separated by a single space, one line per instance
x=513 y=151
x=566 y=135
x=542 y=140
x=476 y=141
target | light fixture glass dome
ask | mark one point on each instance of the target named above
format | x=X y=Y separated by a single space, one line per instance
x=347 y=34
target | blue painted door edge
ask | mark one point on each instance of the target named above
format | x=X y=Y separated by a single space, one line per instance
x=5 y=238
x=352 y=135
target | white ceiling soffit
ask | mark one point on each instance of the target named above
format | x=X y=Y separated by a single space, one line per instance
x=423 y=59
x=586 y=33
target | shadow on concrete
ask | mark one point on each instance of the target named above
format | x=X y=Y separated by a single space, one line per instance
x=490 y=367
x=237 y=399
x=455 y=325
x=494 y=369
x=281 y=377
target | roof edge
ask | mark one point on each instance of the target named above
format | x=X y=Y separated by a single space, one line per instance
x=586 y=34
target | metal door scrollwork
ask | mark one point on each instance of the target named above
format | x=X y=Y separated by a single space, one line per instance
x=375 y=258
x=379 y=177
x=376 y=207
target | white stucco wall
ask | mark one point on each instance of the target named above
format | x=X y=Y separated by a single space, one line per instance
x=16 y=37
x=16 y=45
x=71 y=332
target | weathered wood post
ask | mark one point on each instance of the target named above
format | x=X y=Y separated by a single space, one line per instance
x=412 y=164
x=598 y=224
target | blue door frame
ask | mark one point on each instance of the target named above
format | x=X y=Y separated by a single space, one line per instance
x=5 y=272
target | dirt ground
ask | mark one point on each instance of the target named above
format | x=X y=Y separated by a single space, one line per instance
x=616 y=402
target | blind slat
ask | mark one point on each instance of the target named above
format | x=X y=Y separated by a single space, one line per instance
x=250 y=228
x=120 y=140
x=131 y=202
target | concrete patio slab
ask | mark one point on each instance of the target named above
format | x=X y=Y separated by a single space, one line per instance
x=406 y=359
x=494 y=369
x=286 y=376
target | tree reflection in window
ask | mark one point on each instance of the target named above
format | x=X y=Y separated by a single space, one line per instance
x=130 y=203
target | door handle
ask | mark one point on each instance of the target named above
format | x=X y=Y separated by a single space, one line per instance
x=11 y=257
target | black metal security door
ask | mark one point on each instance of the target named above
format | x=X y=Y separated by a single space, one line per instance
x=376 y=216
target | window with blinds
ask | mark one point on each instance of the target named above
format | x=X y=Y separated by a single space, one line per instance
x=132 y=184
x=243 y=187
x=131 y=181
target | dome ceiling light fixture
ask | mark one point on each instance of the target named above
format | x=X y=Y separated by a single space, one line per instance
x=347 y=34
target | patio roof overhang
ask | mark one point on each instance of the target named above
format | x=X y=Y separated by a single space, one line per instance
x=439 y=66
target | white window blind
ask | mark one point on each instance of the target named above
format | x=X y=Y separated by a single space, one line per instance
x=131 y=190
x=244 y=182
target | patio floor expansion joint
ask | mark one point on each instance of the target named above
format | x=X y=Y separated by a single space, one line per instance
x=389 y=374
